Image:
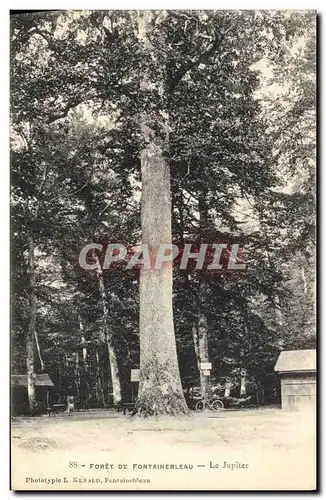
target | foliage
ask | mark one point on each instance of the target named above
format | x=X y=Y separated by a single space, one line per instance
x=75 y=104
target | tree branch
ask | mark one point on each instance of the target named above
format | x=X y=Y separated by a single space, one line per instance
x=66 y=109
x=180 y=73
x=73 y=103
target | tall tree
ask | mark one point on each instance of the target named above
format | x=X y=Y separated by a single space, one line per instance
x=178 y=88
x=160 y=388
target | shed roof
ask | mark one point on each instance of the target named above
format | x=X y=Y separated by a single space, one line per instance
x=296 y=361
x=41 y=380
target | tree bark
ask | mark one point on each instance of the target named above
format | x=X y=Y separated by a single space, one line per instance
x=77 y=376
x=279 y=315
x=85 y=370
x=200 y=339
x=304 y=280
x=203 y=355
x=243 y=384
x=203 y=348
x=31 y=331
x=199 y=327
x=114 y=370
x=160 y=389
x=83 y=342
x=99 y=380
x=39 y=350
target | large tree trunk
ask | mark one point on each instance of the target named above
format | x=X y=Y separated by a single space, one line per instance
x=160 y=389
x=30 y=336
x=115 y=379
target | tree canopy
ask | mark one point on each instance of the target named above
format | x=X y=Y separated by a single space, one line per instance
x=231 y=96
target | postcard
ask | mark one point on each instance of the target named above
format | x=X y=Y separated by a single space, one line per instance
x=163 y=329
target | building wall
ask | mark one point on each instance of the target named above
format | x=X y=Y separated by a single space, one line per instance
x=19 y=400
x=298 y=391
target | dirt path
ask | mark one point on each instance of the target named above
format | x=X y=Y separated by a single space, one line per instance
x=277 y=446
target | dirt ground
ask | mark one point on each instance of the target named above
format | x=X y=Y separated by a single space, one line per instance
x=244 y=449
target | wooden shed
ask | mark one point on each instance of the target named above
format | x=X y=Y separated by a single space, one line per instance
x=297 y=371
x=43 y=388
